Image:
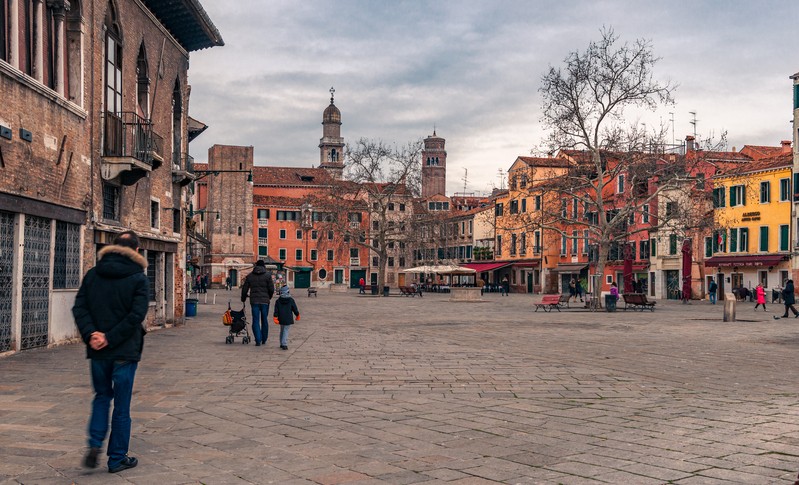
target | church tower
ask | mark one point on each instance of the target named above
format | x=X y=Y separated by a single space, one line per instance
x=434 y=166
x=331 y=145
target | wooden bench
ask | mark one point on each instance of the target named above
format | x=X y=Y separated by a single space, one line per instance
x=637 y=301
x=312 y=291
x=409 y=291
x=548 y=302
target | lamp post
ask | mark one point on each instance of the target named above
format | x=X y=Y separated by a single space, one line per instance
x=200 y=174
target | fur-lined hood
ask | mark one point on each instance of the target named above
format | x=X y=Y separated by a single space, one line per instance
x=119 y=262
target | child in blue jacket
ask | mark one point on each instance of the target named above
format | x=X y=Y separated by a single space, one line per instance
x=285 y=310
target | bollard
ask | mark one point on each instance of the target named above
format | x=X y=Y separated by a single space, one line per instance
x=214 y=298
x=729 y=307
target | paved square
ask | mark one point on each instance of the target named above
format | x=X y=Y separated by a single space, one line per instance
x=415 y=391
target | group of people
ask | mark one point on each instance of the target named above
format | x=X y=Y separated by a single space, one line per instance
x=787 y=294
x=201 y=283
x=575 y=289
x=109 y=311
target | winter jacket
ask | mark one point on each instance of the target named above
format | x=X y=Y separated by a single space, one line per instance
x=788 y=297
x=761 y=295
x=259 y=285
x=285 y=309
x=713 y=287
x=113 y=298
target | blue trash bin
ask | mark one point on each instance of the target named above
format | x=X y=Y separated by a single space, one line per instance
x=191 y=307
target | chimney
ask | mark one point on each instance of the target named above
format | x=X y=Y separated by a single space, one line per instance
x=690 y=144
x=786 y=146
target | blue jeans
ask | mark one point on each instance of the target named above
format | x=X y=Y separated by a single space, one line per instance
x=284 y=335
x=260 y=321
x=112 y=379
x=713 y=297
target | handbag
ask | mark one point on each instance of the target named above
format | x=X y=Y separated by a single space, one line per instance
x=227 y=318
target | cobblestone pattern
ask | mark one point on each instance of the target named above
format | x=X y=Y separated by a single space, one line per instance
x=407 y=390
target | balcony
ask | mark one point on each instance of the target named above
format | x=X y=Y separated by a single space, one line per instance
x=182 y=169
x=262 y=241
x=131 y=149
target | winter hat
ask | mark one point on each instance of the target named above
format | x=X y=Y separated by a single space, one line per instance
x=260 y=262
x=284 y=291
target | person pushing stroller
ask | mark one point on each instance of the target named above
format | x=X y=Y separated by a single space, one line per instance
x=285 y=310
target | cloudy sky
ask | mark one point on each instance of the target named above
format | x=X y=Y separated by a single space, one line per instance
x=472 y=69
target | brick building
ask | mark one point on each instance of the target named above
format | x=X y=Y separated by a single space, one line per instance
x=92 y=142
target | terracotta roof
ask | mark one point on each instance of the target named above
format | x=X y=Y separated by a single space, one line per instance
x=271 y=201
x=290 y=176
x=546 y=162
x=784 y=160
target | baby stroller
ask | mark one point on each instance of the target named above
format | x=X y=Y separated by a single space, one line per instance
x=237 y=322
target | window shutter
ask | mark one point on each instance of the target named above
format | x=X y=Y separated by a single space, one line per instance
x=743 y=195
x=733 y=198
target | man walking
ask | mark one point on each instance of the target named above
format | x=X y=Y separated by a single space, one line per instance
x=711 y=290
x=260 y=287
x=109 y=309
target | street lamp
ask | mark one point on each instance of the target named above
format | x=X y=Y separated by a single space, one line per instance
x=205 y=173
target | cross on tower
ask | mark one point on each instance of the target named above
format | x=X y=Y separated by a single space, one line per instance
x=332 y=91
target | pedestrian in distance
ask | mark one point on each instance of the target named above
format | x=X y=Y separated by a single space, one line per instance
x=285 y=311
x=573 y=290
x=505 y=286
x=712 y=288
x=760 y=294
x=362 y=286
x=258 y=285
x=204 y=283
x=788 y=299
x=578 y=290
x=109 y=310
x=227 y=283
x=614 y=291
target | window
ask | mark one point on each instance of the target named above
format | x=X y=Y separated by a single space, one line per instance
x=620 y=184
x=720 y=241
x=497 y=209
x=564 y=208
x=375 y=261
x=524 y=205
x=4 y=16
x=575 y=244
x=643 y=249
x=734 y=240
x=298 y=254
x=322 y=273
x=239 y=231
x=282 y=234
x=152 y=272
x=499 y=245
x=329 y=235
x=262 y=251
x=154 y=214
x=795 y=182
x=522 y=244
x=585 y=241
x=537 y=242
x=574 y=208
x=737 y=195
x=785 y=190
x=700 y=181
x=176 y=221
x=563 y=245
x=375 y=225
x=708 y=247
x=288 y=215
x=514 y=207
x=330 y=255
x=354 y=253
x=314 y=235
x=391 y=206
x=113 y=65
x=653 y=248
x=282 y=254
x=512 y=244
x=66 y=259
x=402 y=207
x=263 y=213
x=299 y=234
x=784 y=245
x=671 y=209
x=765 y=192
x=402 y=261
x=763 y=247
x=538 y=202
x=719 y=197
x=110 y=202
x=739 y=240
x=645 y=215
x=672 y=244
x=391 y=262
x=263 y=233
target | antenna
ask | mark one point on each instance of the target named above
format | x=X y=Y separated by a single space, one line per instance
x=465 y=178
x=672 y=128
x=501 y=179
x=693 y=121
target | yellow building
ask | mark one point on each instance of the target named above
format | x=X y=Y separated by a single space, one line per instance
x=752 y=243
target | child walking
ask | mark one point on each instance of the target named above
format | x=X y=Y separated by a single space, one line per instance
x=760 y=293
x=285 y=310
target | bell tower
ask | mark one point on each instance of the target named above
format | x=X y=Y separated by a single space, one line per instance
x=331 y=145
x=434 y=166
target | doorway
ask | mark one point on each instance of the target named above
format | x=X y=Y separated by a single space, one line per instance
x=529 y=282
x=355 y=277
x=234 y=278
x=338 y=276
x=302 y=279
x=673 y=291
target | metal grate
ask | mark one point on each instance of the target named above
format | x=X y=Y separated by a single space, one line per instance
x=6 y=273
x=35 y=282
x=151 y=272
x=110 y=202
x=66 y=262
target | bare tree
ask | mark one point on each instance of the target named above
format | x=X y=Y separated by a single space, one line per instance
x=379 y=181
x=584 y=107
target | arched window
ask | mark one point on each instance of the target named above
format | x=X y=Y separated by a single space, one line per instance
x=177 y=123
x=113 y=62
x=334 y=155
x=142 y=84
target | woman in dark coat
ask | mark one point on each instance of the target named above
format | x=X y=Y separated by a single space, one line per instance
x=789 y=299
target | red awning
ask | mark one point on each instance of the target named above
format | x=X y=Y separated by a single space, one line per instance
x=752 y=260
x=527 y=264
x=483 y=267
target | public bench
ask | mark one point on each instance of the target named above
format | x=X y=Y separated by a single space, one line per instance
x=548 y=302
x=312 y=291
x=409 y=291
x=637 y=301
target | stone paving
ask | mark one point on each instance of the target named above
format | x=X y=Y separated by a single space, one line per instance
x=419 y=391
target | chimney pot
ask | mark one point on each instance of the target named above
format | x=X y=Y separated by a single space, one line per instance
x=786 y=146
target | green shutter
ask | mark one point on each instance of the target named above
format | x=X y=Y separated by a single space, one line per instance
x=733 y=240
x=733 y=197
x=744 y=243
x=764 y=239
x=783 y=238
x=708 y=247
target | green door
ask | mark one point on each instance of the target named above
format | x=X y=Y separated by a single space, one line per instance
x=529 y=282
x=302 y=279
x=355 y=277
x=339 y=276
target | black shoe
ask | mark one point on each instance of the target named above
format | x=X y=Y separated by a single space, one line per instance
x=127 y=462
x=257 y=344
x=284 y=347
x=263 y=342
x=90 y=461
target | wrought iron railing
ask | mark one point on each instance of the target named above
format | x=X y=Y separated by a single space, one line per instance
x=129 y=135
x=183 y=161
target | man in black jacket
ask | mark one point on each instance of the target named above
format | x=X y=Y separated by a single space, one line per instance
x=260 y=287
x=109 y=310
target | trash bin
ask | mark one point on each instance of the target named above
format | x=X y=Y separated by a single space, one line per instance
x=191 y=307
x=385 y=291
x=374 y=289
x=610 y=303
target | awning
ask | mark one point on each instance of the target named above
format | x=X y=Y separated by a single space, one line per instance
x=527 y=264
x=484 y=267
x=636 y=266
x=750 y=260
x=571 y=267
